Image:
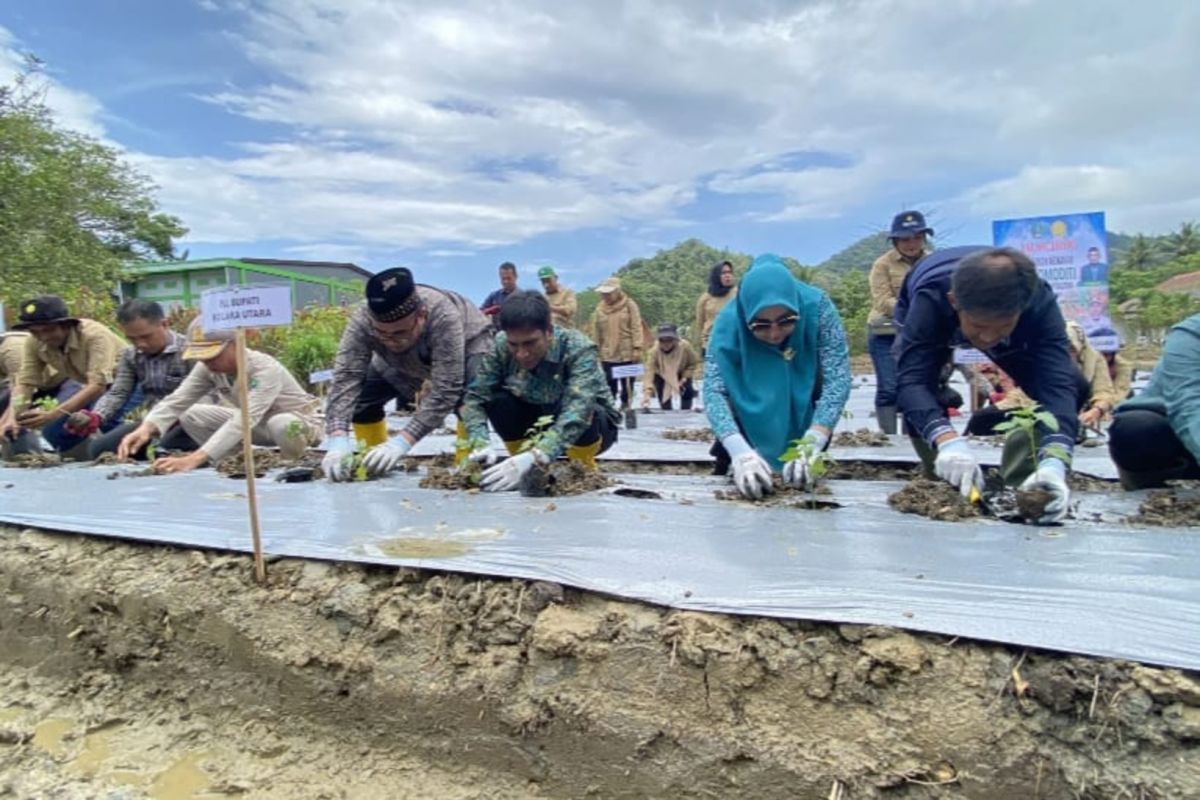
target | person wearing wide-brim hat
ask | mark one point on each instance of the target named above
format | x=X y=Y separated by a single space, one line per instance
x=404 y=334
x=563 y=304
x=281 y=413
x=909 y=237
x=84 y=352
x=617 y=331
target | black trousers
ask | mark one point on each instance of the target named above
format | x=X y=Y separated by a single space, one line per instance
x=984 y=421
x=377 y=391
x=615 y=385
x=174 y=440
x=687 y=393
x=513 y=418
x=1147 y=451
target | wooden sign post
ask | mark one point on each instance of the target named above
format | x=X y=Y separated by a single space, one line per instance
x=242 y=307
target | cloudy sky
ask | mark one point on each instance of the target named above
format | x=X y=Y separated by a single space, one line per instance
x=450 y=137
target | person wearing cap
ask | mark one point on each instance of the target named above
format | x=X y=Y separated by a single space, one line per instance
x=148 y=371
x=617 y=324
x=404 y=334
x=508 y=285
x=669 y=371
x=908 y=237
x=562 y=300
x=83 y=350
x=777 y=370
x=991 y=299
x=281 y=413
x=721 y=290
x=536 y=369
x=1155 y=436
x=1101 y=397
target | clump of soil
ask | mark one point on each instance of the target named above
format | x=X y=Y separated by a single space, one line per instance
x=689 y=434
x=1086 y=483
x=872 y=471
x=933 y=499
x=106 y=460
x=563 y=478
x=786 y=496
x=35 y=460
x=1031 y=503
x=234 y=466
x=863 y=437
x=1169 y=508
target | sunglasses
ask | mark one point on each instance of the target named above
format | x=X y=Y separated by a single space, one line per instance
x=763 y=325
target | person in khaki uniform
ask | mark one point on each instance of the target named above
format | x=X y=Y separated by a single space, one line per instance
x=1120 y=370
x=617 y=324
x=563 y=305
x=1095 y=371
x=81 y=350
x=720 y=291
x=669 y=371
x=908 y=238
x=281 y=412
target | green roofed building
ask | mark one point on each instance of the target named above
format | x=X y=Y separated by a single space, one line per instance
x=180 y=283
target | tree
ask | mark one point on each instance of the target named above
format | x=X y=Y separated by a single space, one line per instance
x=1184 y=242
x=1140 y=255
x=72 y=212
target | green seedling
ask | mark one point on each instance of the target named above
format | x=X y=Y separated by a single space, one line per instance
x=539 y=436
x=819 y=462
x=151 y=452
x=1027 y=420
x=470 y=469
x=358 y=469
x=46 y=404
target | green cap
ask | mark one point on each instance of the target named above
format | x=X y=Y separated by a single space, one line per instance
x=547 y=272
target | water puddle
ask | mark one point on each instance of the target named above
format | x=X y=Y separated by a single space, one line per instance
x=183 y=780
x=50 y=735
x=422 y=548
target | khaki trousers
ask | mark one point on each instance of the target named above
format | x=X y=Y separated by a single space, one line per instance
x=203 y=420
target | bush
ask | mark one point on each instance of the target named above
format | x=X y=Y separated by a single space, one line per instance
x=309 y=344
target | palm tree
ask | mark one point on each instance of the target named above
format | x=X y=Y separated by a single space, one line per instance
x=1184 y=242
x=1140 y=255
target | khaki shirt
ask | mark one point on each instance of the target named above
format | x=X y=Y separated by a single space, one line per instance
x=707 y=308
x=682 y=361
x=271 y=390
x=1122 y=377
x=618 y=330
x=887 y=275
x=90 y=356
x=563 y=307
x=1095 y=369
x=12 y=355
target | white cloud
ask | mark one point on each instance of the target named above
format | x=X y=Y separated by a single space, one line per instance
x=75 y=110
x=480 y=124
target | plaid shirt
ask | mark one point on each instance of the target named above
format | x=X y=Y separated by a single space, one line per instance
x=569 y=378
x=158 y=375
x=454 y=331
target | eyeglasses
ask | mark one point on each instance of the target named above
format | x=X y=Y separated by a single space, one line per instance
x=764 y=325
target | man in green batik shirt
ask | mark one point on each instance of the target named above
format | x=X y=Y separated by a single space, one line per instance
x=537 y=370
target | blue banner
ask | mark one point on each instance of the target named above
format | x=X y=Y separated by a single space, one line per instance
x=1071 y=253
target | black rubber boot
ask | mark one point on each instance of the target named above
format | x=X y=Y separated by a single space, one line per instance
x=886 y=416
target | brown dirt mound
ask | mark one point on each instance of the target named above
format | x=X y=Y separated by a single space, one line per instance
x=1086 y=483
x=371 y=682
x=872 y=471
x=234 y=466
x=863 y=437
x=35 y=461
x=933 y=499
x=1175 y=508
x=439 y=477
x=566 y=478
x=689 y=434
x=786 y=496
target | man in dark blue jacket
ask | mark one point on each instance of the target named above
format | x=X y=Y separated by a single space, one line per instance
x=991 y=299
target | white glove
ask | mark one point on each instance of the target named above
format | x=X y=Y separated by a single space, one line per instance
x=751 y=473
x=507 y=474
x=336 y=462
x=957 y=467
x=486 y=456
x=796 y=472
x=1050 y=476
x=383 y=458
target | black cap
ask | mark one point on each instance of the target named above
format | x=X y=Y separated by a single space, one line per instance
x=44 y=310
x=668 y=331
x=907 y=224
x=392 y=294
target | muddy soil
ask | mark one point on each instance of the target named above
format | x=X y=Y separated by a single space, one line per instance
x=565 y=478
x=1174 y=507
x=863 y=437
x=1086 y=483
x=933 y=499
x=234 y=465
x=689 y=434
x=786 y=496
x=127 y=667
x=34 y=461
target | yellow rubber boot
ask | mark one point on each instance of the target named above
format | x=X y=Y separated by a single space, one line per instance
x=585 y=454
x=514 y=447
x=371 y=433
x=461 y=451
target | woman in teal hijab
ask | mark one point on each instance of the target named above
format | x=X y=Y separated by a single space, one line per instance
x=777 y=369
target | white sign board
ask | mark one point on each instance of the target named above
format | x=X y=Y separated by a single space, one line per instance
x=320 y=376
x=965 y=355
x=245 y=307
x=627 y=371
